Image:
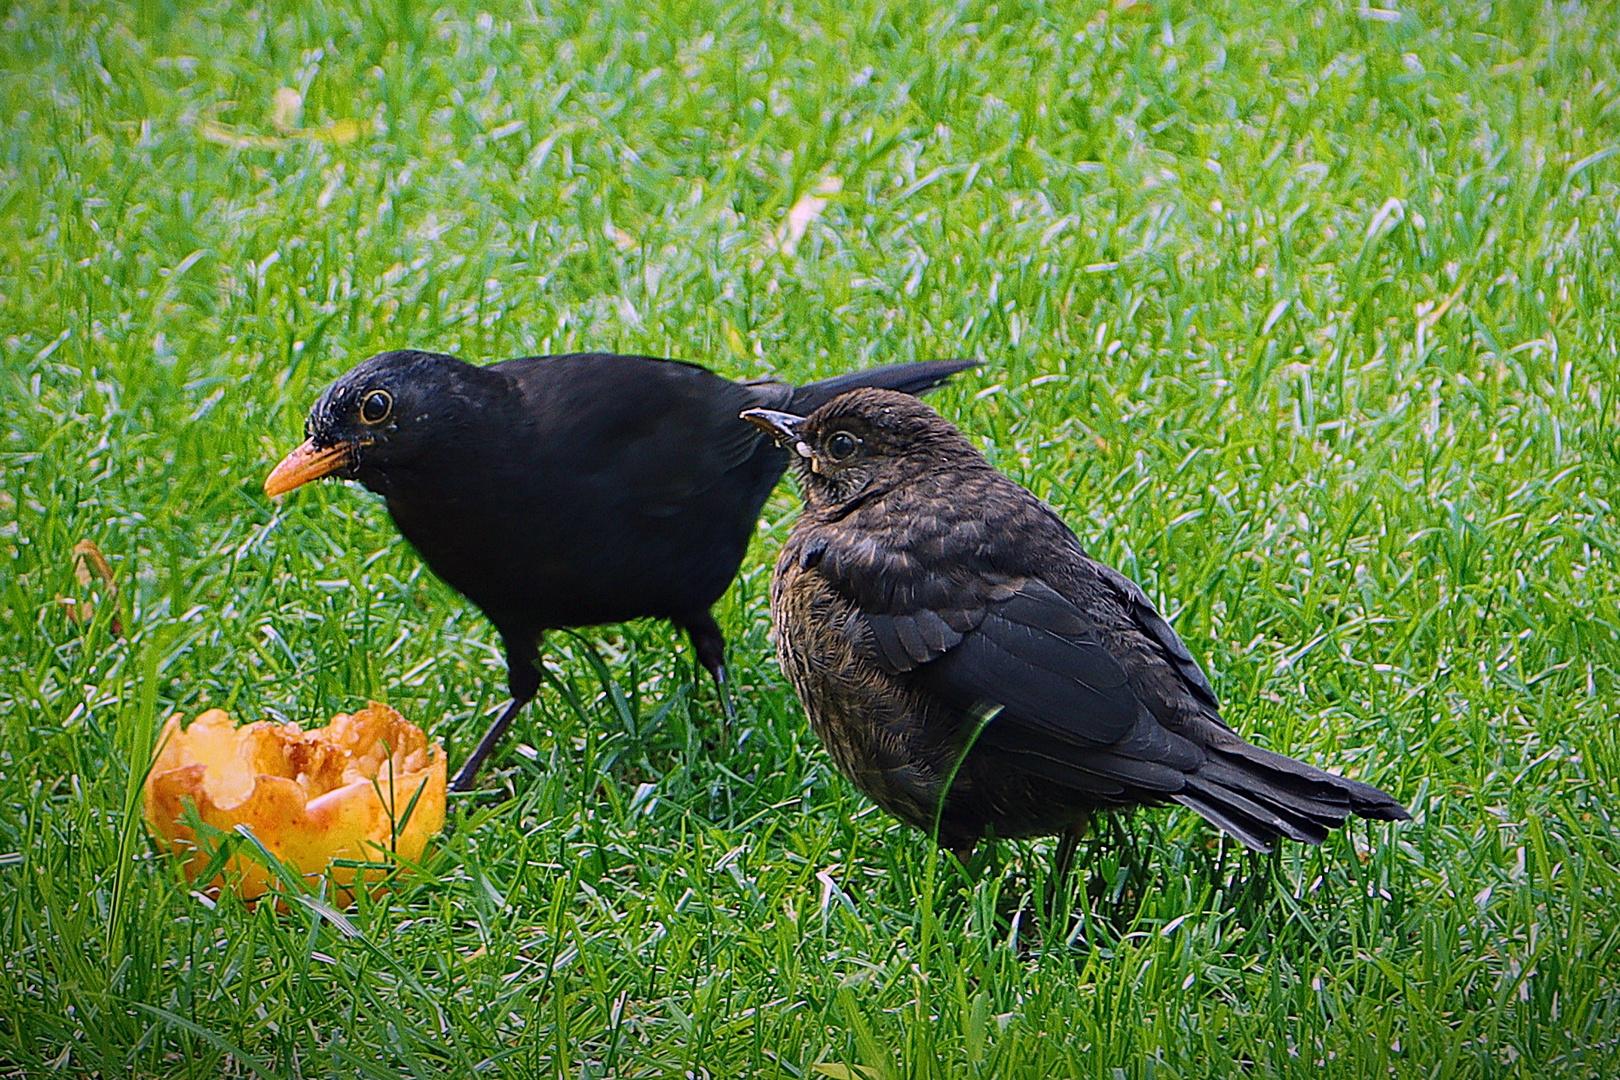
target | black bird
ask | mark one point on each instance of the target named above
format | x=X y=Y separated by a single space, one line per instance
x=971 y=669
x=561 y=491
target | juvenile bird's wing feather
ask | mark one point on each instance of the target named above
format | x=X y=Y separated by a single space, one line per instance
x=1151 y=623
x=979 y=640
x=1034 y=654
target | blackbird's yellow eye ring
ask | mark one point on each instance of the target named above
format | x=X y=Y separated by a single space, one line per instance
x=376 y=406
x=841 y=444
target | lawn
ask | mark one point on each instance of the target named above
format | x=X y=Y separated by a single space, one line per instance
x=1301 y=314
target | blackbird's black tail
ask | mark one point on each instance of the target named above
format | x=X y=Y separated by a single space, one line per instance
x=1259 y=796
x=916 y=378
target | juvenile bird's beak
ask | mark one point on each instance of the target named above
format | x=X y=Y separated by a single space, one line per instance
x=306 y=462
x=783 y=427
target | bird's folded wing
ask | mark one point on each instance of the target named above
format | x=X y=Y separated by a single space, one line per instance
x=662 y=430
x=1022 y=648
x=1151 y=623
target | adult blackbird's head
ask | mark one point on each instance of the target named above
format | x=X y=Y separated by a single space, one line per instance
x=864 y=443
x=380 y=414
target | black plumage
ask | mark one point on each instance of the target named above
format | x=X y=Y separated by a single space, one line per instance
x=567 y=491
x=971 y=669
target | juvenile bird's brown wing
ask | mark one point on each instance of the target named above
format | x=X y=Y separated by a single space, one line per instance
x=1013 y=648
x=1062 y=706
x=1147 y=619
x=1023 y=648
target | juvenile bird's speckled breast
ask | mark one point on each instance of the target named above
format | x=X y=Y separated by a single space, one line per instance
x=869 y=721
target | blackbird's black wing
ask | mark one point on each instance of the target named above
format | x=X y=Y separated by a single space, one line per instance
x=663 y=430
x=917 y=377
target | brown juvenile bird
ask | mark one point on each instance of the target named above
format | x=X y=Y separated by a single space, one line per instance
x=560 y=491
x=971 y=669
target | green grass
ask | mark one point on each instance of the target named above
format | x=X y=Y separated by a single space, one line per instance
x=1302 y=315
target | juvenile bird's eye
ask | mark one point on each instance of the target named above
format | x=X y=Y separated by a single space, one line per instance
x=376 y=407
x=841 y=444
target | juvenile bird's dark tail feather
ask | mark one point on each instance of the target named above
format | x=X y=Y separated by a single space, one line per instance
x=1259 y=796
x=916 y=378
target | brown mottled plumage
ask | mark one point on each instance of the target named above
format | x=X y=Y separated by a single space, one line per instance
x=946 y=633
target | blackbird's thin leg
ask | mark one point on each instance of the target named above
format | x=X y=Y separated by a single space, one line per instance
x=523 y=680
x=710 y=646
x=722 y=685
x=468 y=776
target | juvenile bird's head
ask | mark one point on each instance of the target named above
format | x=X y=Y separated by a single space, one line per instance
x=380 y=413
x=864 y=443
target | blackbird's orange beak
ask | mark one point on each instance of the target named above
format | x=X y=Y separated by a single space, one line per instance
x=306 y=462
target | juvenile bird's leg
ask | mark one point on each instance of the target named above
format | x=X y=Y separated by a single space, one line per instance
x=1063 y=861
x=710 y=646
x=523 y=680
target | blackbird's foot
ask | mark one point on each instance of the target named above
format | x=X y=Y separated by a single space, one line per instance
x=1063 y=860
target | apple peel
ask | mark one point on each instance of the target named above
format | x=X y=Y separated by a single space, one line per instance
x=339 y=792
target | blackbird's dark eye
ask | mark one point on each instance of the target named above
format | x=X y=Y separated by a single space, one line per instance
x=841 y=444
x=376 y=407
